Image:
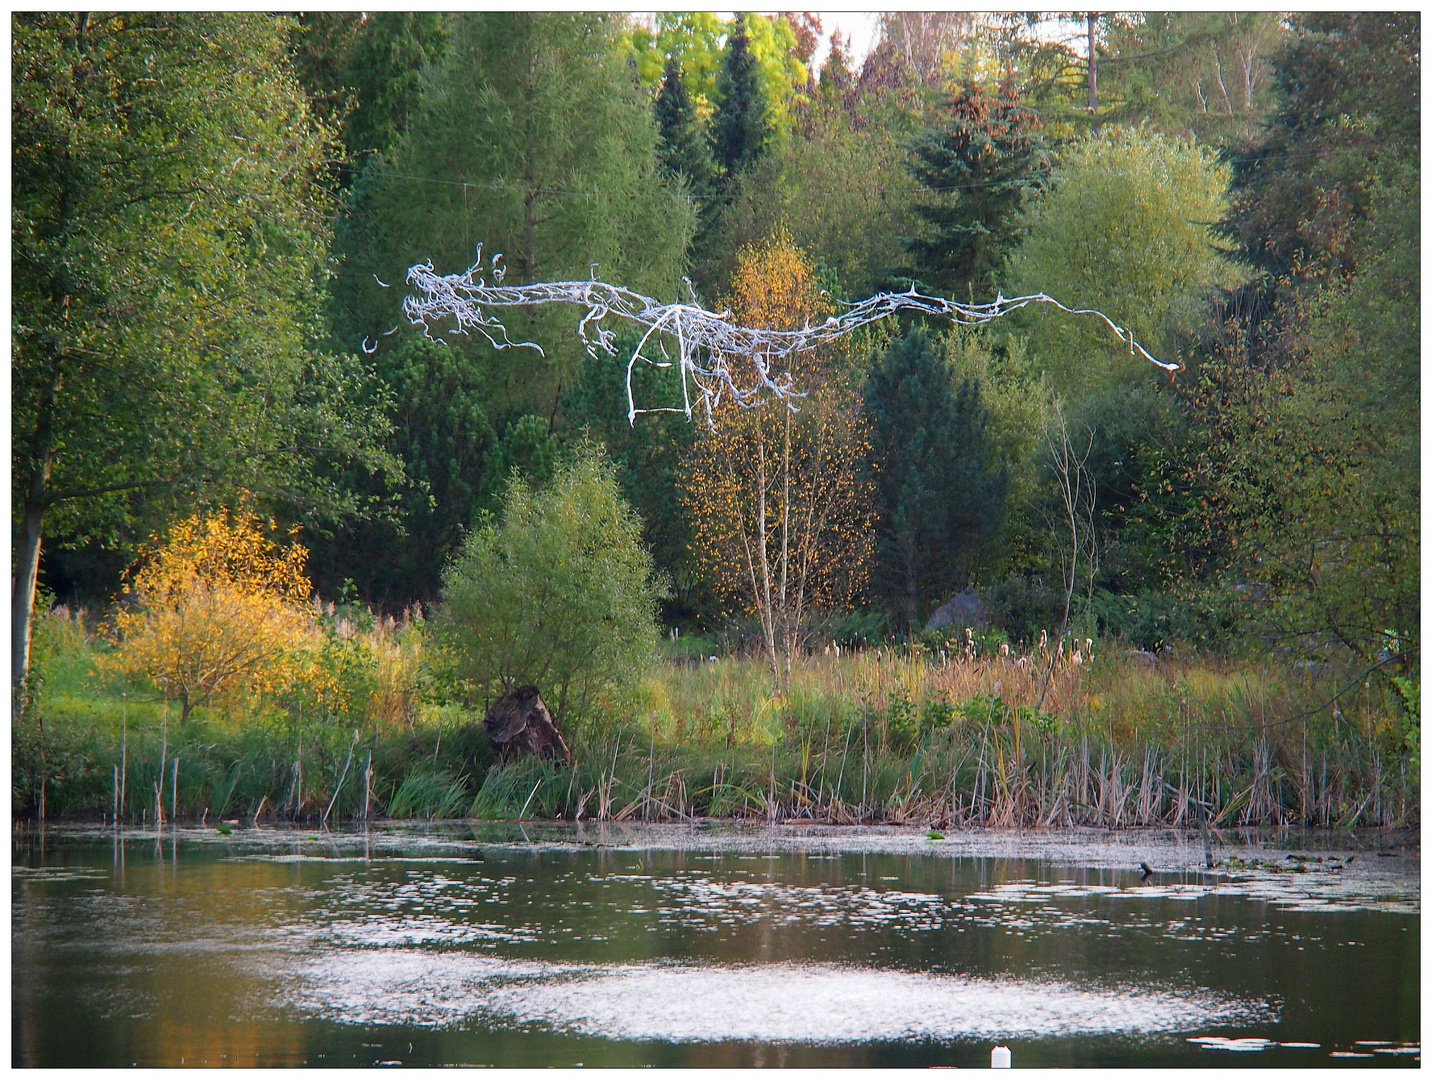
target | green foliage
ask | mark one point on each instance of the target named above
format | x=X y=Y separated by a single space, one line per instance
x=526 y=449
x=1023 y=605
x=428 y=793
x=741 y=130
x=169 y=249
x=524 y=788
x=648 y=456
x=559 y=593
x=1307 y=425
x=1188 y=73
x=853 y=629
x=1347 y=104
x=1410 y=691
x=1322 y=514
x=836 y=165
x=1125 y=227
x=443 y=434
x=942 y=493
x=980 y=162
x=1156 y=620
x=531 y=137
x=694 y=40
x=385 y=68
x=683 y=148
x=363 y=72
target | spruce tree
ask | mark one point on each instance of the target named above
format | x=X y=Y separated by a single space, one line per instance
x=942 y=496
x=981 y=162
x=741 y=129
x=681 y=145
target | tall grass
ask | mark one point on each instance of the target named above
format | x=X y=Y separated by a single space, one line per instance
x=1094 y=735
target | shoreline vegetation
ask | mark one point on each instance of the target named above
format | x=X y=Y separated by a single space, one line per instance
x=1083 y=733
x=974 y=561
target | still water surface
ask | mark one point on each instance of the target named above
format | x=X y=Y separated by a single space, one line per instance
x=496 y=945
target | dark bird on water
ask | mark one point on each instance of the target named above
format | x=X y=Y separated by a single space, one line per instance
x=1147 y=869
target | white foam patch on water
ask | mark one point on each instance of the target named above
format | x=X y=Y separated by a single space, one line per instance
x=1220 y=1042
x=398 y=986
x=765 y=1003
x=422 y=930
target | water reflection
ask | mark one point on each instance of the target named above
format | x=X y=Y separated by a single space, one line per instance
x=814 y=1003
x=291 y=948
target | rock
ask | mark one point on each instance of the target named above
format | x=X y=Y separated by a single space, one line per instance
x=519 y=723
x=963 y=610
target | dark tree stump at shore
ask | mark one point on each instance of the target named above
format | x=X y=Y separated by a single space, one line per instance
x=519 y=723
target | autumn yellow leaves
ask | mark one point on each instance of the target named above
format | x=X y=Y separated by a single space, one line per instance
x=781 y=509
x=217 y=606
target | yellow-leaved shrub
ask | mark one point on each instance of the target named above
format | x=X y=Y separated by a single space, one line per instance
x=219 y=607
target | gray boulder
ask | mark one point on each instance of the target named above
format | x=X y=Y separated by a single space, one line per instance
x=960 y=611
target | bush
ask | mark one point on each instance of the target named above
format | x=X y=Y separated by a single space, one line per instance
x=1126 y=226
x=221 y=606
x=1023 y=606
x=1152 y=620
x=559 y=593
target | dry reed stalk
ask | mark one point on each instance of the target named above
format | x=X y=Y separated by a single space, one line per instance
x=123 y=751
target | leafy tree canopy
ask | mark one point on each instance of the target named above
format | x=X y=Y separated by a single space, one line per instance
x=1127 y=227
x=169 y=247
x=696 y=40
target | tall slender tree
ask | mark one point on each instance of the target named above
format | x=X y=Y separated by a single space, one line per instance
x=942 y=492
x=682 y=145
x=741 y=128
x=780 y=511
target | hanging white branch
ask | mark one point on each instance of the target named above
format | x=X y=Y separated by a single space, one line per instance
x=707 y=343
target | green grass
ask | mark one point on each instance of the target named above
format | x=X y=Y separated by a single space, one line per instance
x=878 y=735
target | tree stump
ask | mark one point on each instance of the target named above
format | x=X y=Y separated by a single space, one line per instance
x=519 y=723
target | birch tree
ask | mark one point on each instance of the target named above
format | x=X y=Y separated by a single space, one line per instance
x=782 y=516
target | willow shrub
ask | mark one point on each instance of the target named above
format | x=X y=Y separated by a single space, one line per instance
x=556 y=591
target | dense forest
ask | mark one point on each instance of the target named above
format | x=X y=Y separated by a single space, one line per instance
x=213 y=219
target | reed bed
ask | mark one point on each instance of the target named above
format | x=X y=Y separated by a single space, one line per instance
x=1095 y=735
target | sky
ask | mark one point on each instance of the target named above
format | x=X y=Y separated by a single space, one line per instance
x=860 y=25
x=863 y=26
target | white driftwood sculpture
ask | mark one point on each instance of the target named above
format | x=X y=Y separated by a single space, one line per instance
x=706 y=343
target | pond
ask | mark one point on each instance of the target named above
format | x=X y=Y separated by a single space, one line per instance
x=508 y=945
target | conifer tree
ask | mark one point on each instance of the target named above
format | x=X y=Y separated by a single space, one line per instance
x=741 y=129
x=942 y=496
x=980 y=164
x=681 y=146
